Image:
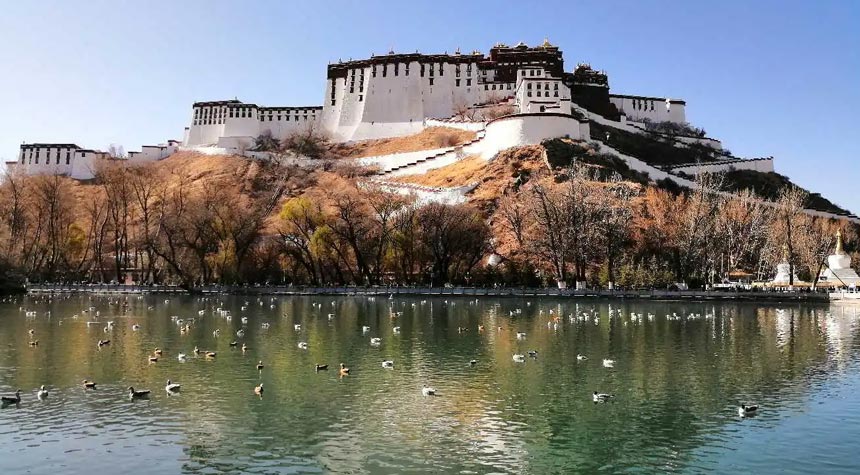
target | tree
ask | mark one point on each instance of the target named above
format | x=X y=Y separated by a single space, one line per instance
x=456 y=238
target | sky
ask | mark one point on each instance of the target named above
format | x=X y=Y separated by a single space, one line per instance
x=778 y=78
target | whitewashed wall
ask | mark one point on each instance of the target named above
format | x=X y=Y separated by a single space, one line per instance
x=528 y=129
x=651 y=108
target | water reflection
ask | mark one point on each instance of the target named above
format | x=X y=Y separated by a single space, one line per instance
x=680 y=371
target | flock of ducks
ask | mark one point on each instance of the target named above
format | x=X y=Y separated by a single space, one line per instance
x=185 y=325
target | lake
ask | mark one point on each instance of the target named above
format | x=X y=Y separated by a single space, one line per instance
x=680 y=371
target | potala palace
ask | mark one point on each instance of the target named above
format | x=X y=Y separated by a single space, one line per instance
x=513 y=96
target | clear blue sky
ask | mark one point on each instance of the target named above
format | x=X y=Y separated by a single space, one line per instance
x=777 y=78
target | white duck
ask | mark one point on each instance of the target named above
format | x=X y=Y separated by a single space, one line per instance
x=747 y=410
x=581 y=357
x=607 y=363
x=303 y=345
x=388 y=364
x=171 y=387
x=375 y=341
x=519 y=358
x=43 y=393
x=428 y=391
x=601 y=397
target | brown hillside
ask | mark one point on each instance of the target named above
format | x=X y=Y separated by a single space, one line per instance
x=429 y=138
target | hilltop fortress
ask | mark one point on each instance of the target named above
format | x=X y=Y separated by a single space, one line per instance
x=394 y=95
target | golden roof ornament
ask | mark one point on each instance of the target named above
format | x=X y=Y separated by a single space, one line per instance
x=840 y=251
x=546 y=43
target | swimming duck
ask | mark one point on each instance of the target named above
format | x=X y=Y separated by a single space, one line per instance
x=519 y=358
x=321 y=367
x=533 y=353
x=601 y=397
x=581 y=357
x=375 y=341
x=240 y=333
x=365 y=329
x=264 y=325
x=244 y=320
x=521 y=335
x=244 y=348
x=43 y=393
x=216 y=333
x=297 y=327
x=303 y=345
x=34 y=343
x=388 y=364
x=396 y=330
x=608 y=363
x=260 y=365
x=196 y=350
x=258 y=389
x=153 y=359
x=473 y=362
x=142 y=394
x=747 y=410
x=89 y=384
x=102 y=343
x=181 y=356
x=157 y=351
x=428 y=391
x=12 y=399
x=31 y=332
x=343 y=370
x=234 y=343
x=171 y=387
x=135 y=327
x=211 y=354
x=480 y=328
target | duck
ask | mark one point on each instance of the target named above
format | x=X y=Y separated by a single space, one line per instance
x=601 y=397
x=473 y=362
x=211 y=354
x=533 y=353
x=521 y=335
x=153 y=359
x=320 y=367
x=264 y=325
x=102 y=343
x=34 y=343
x=196 y=350
x=171 y=387
x=141 y=394
x=216 y=333
x=244 y=320
x=581 y=357
x=343 y=370
x=260 y=365
x=303 y=345
x=745 y=410
x=608 y=363
x=12 y=399
x=240 y=333
x=375 y=341
x=31 y=332
x=365 y=329
x=89 y=384
x=234 y=343
x=157 y=351
x=396 y=330
x=43 y=393
x=388 y=364
x=480 y=328
x=297 y=327
x=182 y=357
x=259 y=389
x=244 y=348
x=428 y=391
x=519 y=358
x=135 y=327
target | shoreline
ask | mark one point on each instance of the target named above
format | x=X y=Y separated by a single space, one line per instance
x=668 y=295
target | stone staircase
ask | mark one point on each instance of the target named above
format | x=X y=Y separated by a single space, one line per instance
x=455 y=152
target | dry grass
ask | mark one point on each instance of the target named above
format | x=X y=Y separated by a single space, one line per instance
x=427 y=139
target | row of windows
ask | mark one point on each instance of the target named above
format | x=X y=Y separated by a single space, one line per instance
x=492 y=87
x=545 y=85
x=263 y=118
x=546 y=94
x=34 y=158
x=532 y=72
x=641 y=105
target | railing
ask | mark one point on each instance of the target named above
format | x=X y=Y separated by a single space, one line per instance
x=686 y=295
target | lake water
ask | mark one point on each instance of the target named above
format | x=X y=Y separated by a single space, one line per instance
x=680 y=371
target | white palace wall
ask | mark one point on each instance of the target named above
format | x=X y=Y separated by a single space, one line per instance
x=655 y=109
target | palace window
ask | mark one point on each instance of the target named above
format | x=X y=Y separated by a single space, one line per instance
x=68 y=157
x=373 y=71
x=360 y=98
x=58 y=157
x=555 y=94
x=384 y=70
x=529 y=94
x=457 y=82
x=469 y=82
x=422 y=70
x=432 y=69
x=407 y=69
x=486 y=87
x=431 y=81
x=528 y=85
x=441 y=69
x=397 y=69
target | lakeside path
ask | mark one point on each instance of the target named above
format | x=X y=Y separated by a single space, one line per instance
x=691 y=295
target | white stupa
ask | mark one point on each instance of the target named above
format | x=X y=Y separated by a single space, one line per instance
x=839 y=272
x=783 y=272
